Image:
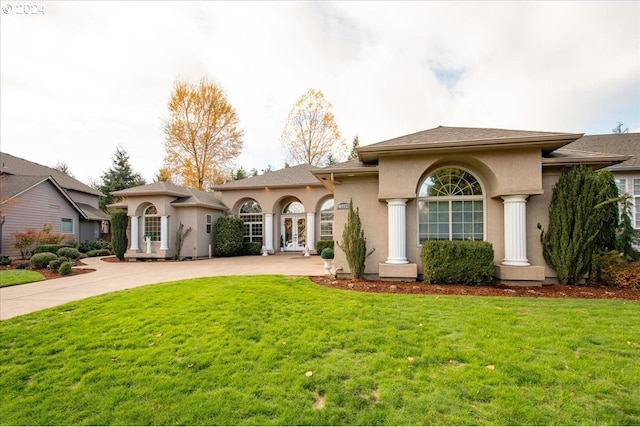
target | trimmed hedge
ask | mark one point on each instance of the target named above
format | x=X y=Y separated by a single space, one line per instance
x=49 y=248
x=252 y=248
x=99 y=252
x=43 y=259
x=228 y=236
x=327 y=253
x=457 y=262
x=65 y=268
x=322 y=244
x=94 y=245
x=71 y=253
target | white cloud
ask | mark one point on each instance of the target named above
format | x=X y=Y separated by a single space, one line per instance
x=87 y=76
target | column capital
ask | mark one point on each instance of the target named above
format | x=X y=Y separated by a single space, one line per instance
x=396 y=202
x=515 y=198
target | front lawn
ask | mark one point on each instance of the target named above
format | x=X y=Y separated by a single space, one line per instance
x=270 y=350
x=18 y=277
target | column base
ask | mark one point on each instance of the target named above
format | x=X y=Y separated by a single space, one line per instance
x=398 y=272
x=531 y=275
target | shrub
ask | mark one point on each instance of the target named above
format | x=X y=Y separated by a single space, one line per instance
x=252 y=248
x=25 y=242
x=321 y=244
x=65 y=268
x=99 y=252
x=119 y=221
x=354 y=244
x=94 y=245
x=55 y=264
x=42 y=259
x=611 y=269
x=47 y=237
x=457 y=262
x=228 y=236
x=71 y=253
x=5 y=260
x=327 y=253
x=22 y=265
x=48 y=248
x=627 y=276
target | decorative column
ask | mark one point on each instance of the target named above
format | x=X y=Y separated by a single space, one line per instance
x=134 y=234
x=268 y=225
x=311 y=230
x=515 y=230
x=164 y=233
x=396 y=213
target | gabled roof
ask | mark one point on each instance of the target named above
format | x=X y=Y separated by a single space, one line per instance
x=185 y=197
x=13 y=165
x=623 y=144
x=293 y=176
x=15 y=185
x=463 y=138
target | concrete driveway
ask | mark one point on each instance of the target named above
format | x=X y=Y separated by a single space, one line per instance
x=109 y=277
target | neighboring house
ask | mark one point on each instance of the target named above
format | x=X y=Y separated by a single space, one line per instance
x=32 y=195
x=627 y=173
x=156 y=212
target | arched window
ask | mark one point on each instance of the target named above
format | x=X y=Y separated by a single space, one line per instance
x=152 y=224
x=450 y=206
x=251 y=214
x=326 y=220
x=294 y=208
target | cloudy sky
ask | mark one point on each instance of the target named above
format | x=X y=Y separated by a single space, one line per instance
x=80 y=78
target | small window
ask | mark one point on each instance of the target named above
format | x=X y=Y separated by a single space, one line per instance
x=66 y=226
x=209 y=223
x=326 y=220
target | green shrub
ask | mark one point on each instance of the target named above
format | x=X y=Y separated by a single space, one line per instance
x=354 y=244
x=99 y=252
x=71 y=253
x=252 y=248
x=42 y=259
x=457 y=262
x=327 y=253
x=65 y=268
x=228 y=236
x=119 y=222
x=48 y=248
x=22 y=265
x=5 y=260
x=88 y=246
x=321 y=244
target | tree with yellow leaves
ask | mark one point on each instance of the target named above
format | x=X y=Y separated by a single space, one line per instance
x=202 y=135
x=311 y=134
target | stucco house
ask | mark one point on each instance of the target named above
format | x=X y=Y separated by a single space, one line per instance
x=156 y=211
x=32 y=195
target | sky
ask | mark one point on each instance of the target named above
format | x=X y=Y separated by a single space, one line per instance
x=80 y=78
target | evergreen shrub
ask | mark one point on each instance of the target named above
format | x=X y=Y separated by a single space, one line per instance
x=48 y=248
x=22 y=265
x=94 y=245
x=119 y=222
x=251 y=248
x=327 y=253
x=457 y=262
x=321 y=244
x=228 y=236
x=65 y=268
x=71 y=253
x=354 y=244
x=5 y=259
x=98 y=252
x=42 y=259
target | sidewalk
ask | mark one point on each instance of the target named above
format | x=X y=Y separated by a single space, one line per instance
x=109 y=277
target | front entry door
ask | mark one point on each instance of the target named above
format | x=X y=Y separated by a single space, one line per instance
x=294 y=233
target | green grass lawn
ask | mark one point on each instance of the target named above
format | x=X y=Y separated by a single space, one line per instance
x=270 y=350
x=18 y=277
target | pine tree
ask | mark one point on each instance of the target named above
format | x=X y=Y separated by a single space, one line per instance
x=119 y=222
x=354 y=146
x=119 y=177
x=354 y=244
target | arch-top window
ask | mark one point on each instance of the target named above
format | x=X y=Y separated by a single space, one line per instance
x=326 y=220
x=152 y=224
x=251 y=215
x=294 y=208
x=450 y=206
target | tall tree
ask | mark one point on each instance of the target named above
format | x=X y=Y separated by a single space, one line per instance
x=202 y=134
x=119 y=177
x=310 y=133
x=163 y=175
x=63 y=167
x=354 y=146
x=618 y=128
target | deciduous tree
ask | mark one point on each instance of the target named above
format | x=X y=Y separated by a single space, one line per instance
x=202 y=134
x=310 y=133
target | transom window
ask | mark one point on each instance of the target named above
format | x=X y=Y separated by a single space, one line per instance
x=450 y=206
x=294 y=208
x=251 y=215
x=152 y=224
x=326 y=220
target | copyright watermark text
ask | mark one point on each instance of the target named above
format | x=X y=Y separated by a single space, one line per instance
x=23 y=9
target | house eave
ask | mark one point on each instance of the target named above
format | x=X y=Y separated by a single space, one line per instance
x=599 y=162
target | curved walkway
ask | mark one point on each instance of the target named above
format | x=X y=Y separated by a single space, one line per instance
x=109 y=277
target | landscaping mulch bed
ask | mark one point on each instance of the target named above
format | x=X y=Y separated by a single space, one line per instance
x=547 y=291
x=50 y=274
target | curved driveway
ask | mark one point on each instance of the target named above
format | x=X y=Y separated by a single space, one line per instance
x=109 y=277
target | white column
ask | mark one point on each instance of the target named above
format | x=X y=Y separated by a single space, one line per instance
x=515 y=230
x=311 y=230
x=135 y=238
x=268 y=225
x=164 y=233
x=396 y=212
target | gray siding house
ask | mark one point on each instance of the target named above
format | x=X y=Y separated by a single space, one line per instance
x=32 y=195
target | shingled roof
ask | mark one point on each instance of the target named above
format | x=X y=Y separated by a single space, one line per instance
x=624 y=144
x=184 y=196
x=13 y=165
x=288 y=177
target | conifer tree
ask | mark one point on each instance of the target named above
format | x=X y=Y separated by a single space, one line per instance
x=119 y=177
x=119 y=222
x=354 y=244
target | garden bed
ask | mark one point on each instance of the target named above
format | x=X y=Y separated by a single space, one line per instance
x=49 y=274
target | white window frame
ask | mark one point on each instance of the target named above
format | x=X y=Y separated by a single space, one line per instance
x=253 y=221
x=67 y=221
x=324 y=221
x=209 y=223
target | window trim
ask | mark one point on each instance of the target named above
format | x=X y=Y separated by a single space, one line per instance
x=67 y=220
x=326 y=221
x=248 y=219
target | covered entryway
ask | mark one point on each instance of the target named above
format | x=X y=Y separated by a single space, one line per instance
x=294 y=227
